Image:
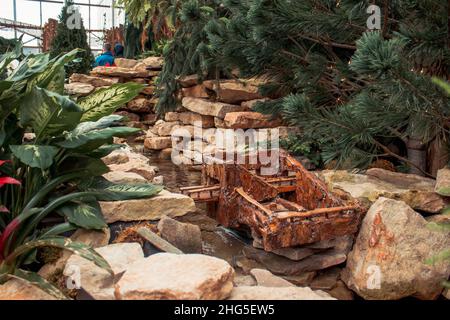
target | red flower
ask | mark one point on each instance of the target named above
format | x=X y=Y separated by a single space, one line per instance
x=7 y=180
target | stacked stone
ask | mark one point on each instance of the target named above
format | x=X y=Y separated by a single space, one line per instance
x=206 y=108
x=140 y=111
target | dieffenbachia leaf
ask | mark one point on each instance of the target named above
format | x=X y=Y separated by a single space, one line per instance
x=36 y=280
x=105 y=101
x=35 y=156
x=85 y=214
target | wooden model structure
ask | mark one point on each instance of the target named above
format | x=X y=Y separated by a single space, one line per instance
x=288 y=209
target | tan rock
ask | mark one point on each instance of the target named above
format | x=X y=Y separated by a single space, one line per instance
x=163 y=128
x=198 y=91
x=210 y=108
x=125 y=63
x=124 y=155
x=164 y=204
x=95 y=81
x=185 y=236
x=188 y=81
x=98 y=282
x=283 y=293
x=119 y=72
x=195 y=119
x=249 y=105
x=150 y=119
x=121 y=177
x=250 y=120
x=155 y=63
x=265 y=278
x=138 y=80
x=443 y=182
x=128 y=116
x=140 y=105
x=158 y=143
x=149 y=90
x=78 y=89
x=20 y=290
x=417 y=192
x=141 y=168
x=167 y=276
x=234 y=91
x=172 y=116
x=388 y=260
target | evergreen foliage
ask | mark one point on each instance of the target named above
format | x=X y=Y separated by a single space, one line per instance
x=355 y=92
x=68 y=39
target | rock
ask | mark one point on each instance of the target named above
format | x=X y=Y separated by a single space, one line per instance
x=200 y=219
x=16 y=289
x=94 y=81
x=138 y=80
x=446 y=294
x=283 y=266
x=245 y=264
x=443 y=182
x=148 y=90
x=220 y=123
x=165 y=154
x=140 y=105
x=339 y=242
x=249 y=105
x=250 y=120
x=326 y=279
x=78 y=89
x=122 y=177
x=197 y=120
x=92 y=238
x=283 y=293
x=186 y=237
x=188 y=81
x=125 y=63
x=159 y=180
x=163 y=128
x=234 y=91
x=154 y=63
x=164 y=204
x=417 y=192
x=167 y=276
x=301 y=280
x=149 y=119
x=119 y=72
x=295 y=254
x=96 y=281
x=198 y=91
x=241 y=280
x=265 y=278
x=210 y=108
x=158 y=143
x=341 y=292
x=172 y=116
x=124 y=155
x=388 y=260
x=141 y=168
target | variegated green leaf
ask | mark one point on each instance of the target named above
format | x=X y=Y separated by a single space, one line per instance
x=105 y=101
x=85 y=214
x=36 y=280
x=35 y=156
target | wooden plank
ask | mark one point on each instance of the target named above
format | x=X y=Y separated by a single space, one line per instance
x=157 y=241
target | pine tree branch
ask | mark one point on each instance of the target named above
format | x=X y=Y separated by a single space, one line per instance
x=328 y=43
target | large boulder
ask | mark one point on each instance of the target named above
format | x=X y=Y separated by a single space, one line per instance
x=125 y=63
x=234 y=91
x=250 y=120
x=122 y=177
x=154 y=63
x=136 y=166
x=167 y=276
x=389 y=258
x=119 y=72
x=265 y=278
x=98 y=282
x=416 y=191
x=185 y=236
x=210 y=108
x=281 y=293
x=20 y=290
x=164 y=204
x=158 y=143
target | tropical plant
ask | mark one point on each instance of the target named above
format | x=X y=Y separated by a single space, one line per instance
x=59 y=168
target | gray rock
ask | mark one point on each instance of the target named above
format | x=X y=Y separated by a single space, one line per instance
x=271 y=293
x=186 y=237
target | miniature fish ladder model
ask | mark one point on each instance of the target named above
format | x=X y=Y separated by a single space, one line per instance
x=288 y=209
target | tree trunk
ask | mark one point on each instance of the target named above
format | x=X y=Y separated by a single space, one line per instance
x=438 y=155
x=417 y=154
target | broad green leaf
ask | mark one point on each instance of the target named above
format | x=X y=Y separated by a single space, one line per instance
x=64 y=243
x=30 y=66
x=105 y=150
x=48 y=113
x=36 y=280
x=105 y=101
x=95 y=138
x=105 y=122
x=120 y=192
x=86 y=215
x=86 y=166
x=35 y=156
